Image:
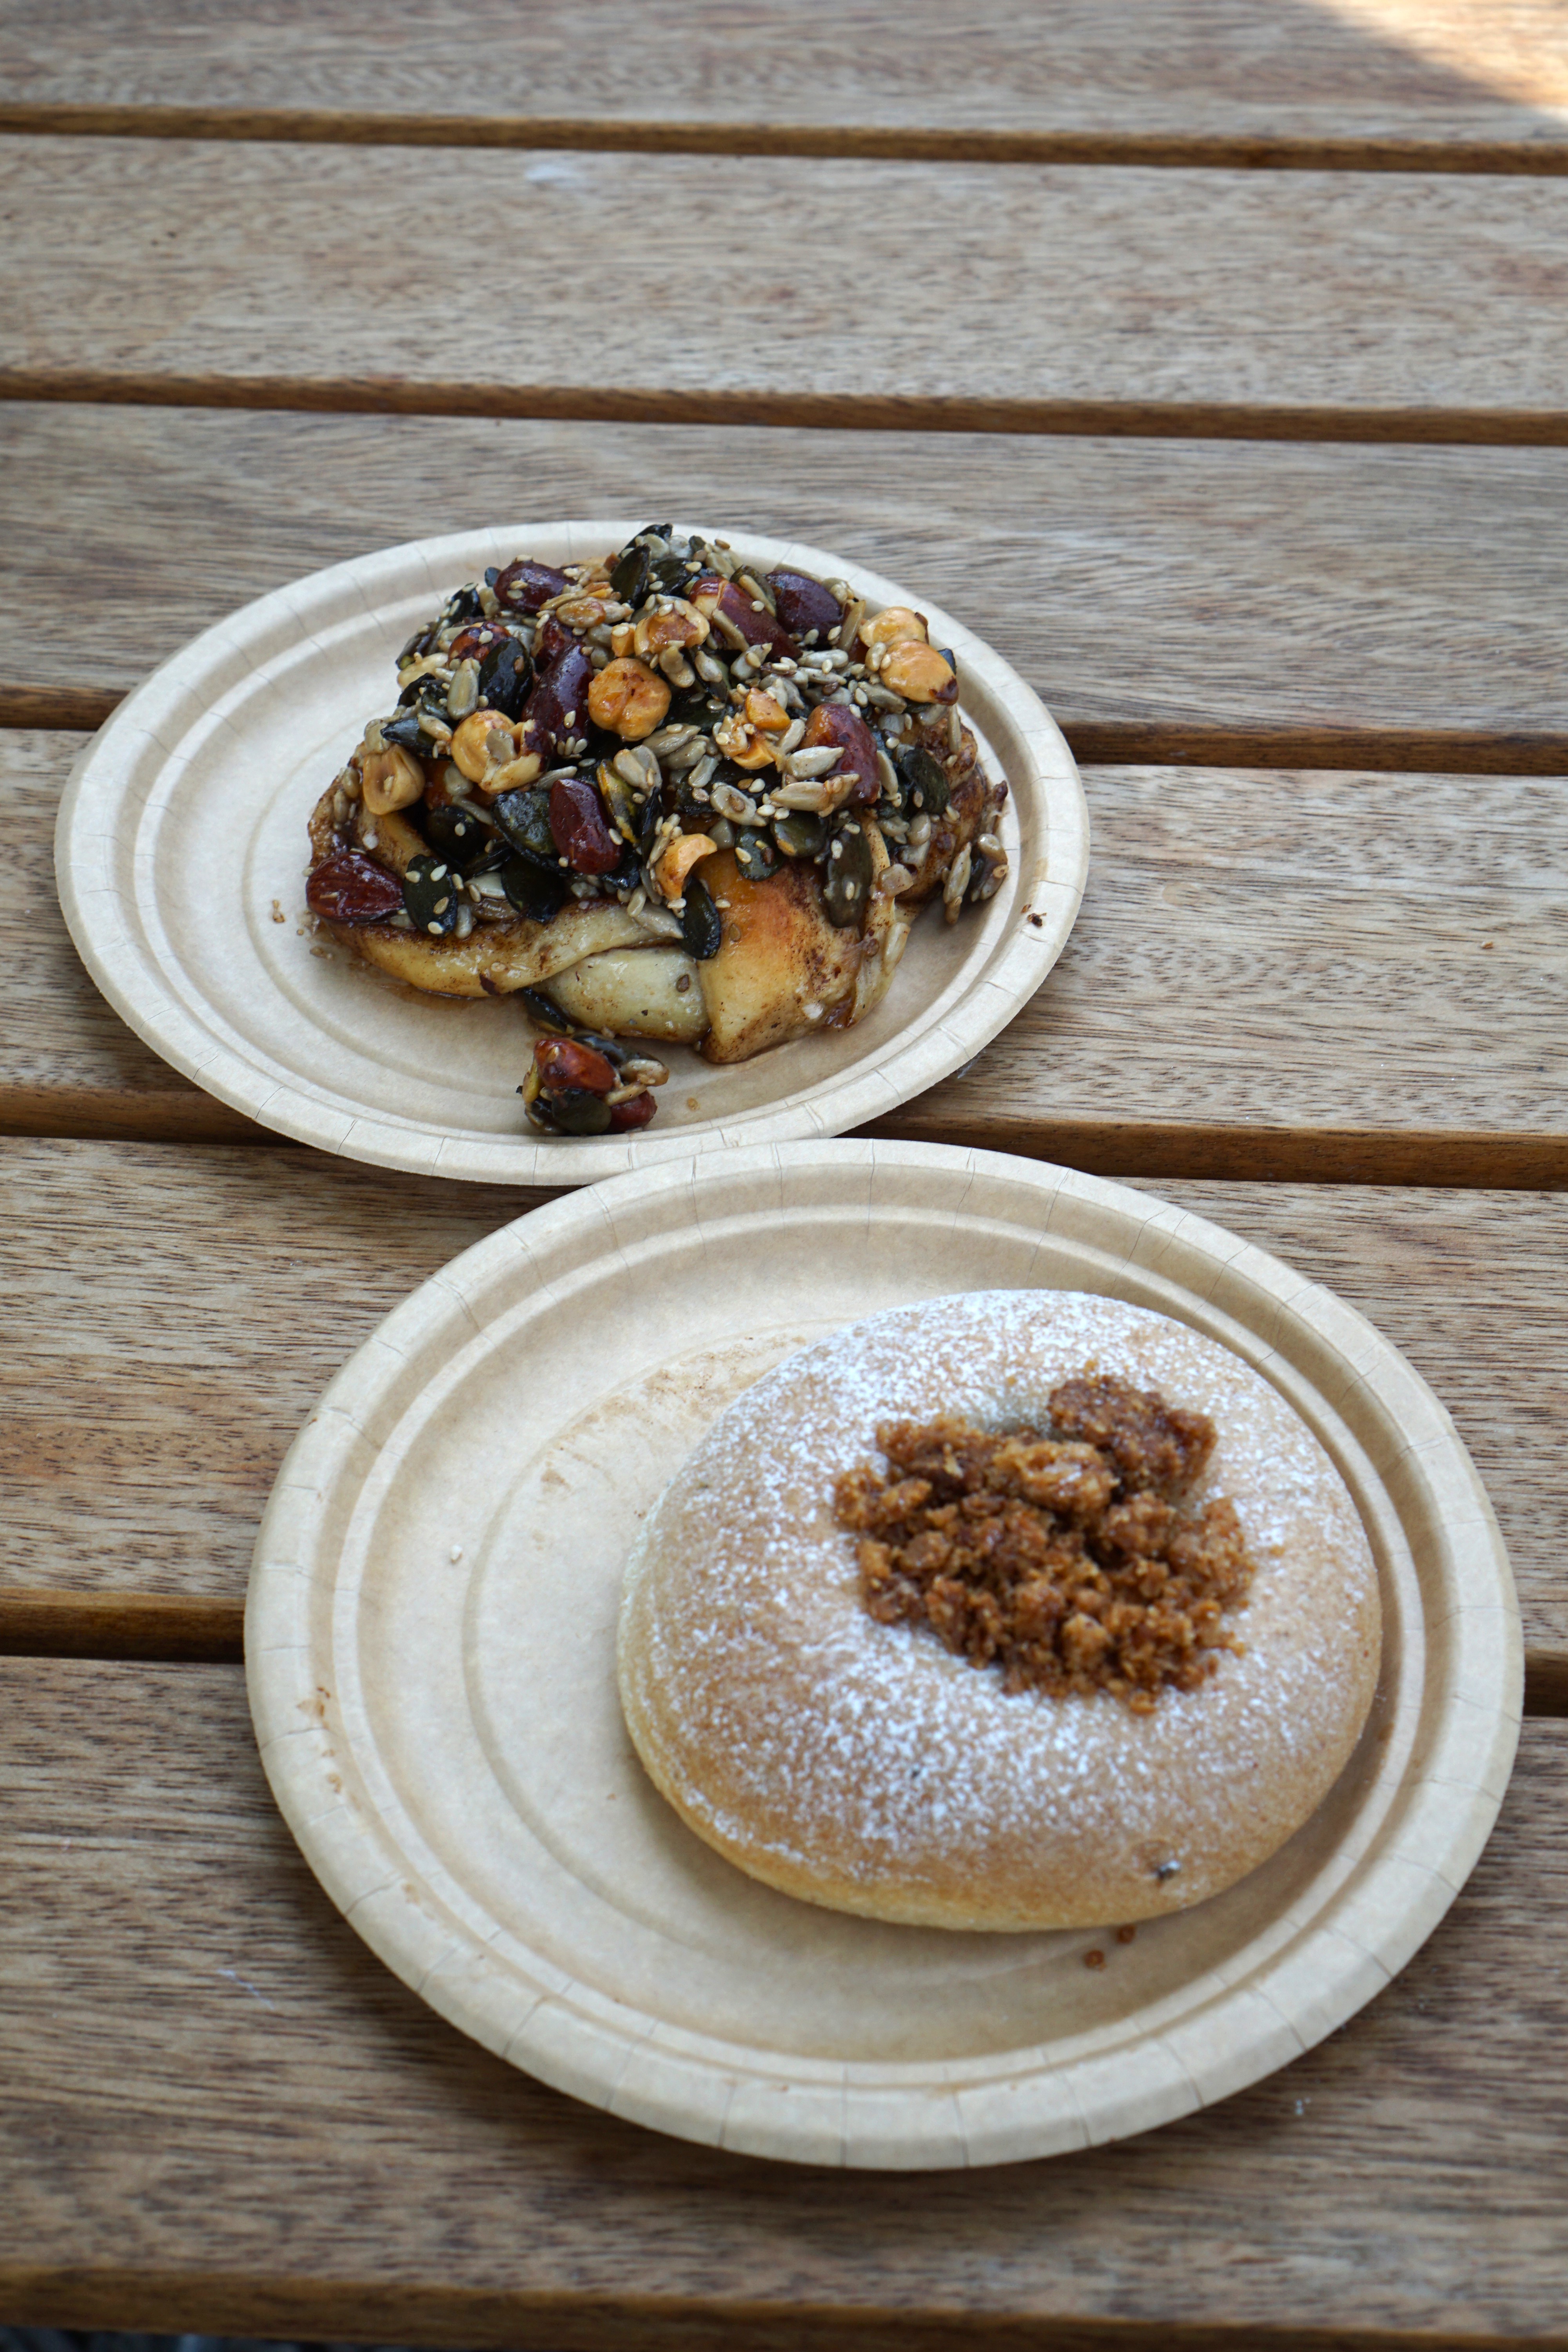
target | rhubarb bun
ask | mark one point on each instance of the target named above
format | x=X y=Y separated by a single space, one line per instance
x=1017 y=1610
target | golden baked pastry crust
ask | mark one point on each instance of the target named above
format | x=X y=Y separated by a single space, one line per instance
x=866 y=1767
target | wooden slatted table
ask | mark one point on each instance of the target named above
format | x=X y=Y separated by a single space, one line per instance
x=1208 y=356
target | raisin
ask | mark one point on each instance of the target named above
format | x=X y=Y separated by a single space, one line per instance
x=558 y=707
x=834 y=722
x=353 y=888
x=804 y=603
x=578 y=827
x=563 y=1064
x=634 y=1113
x=526 y=586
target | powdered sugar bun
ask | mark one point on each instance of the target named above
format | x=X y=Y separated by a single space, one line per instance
x=866 y=1767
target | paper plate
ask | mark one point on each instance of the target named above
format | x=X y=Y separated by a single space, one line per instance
x=180 y=856
x=430 y=1642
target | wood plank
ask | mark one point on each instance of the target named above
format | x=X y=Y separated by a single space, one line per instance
x=1171 y=586
x=1306 y=953
x=1451 y=77
x=141 y=1433
x=223 y=2113
x=1038 y=299
x=1282 y=976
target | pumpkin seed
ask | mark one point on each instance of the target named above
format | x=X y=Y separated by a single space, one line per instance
x=800 y=833
x=458 y=835
x=701 y=926
x=504 y=676
x=628 y=574
x=755 y=856
x=577 y=1112
x=924 y=781
x=430 y=895
x=847 y=886
x=538 y=894
x=524 y=818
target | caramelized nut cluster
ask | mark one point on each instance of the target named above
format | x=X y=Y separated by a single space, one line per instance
x=1066 y=1557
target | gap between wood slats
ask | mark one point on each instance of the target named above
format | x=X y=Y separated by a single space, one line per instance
x=264 y=2307
x=1094 y=743
x=1100 y=150
x=169 y=1628
x=803 y=411
x=87 y=2298
x=1159 y=1149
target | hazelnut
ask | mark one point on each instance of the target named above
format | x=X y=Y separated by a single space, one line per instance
x=486 y=740
x=393 y=779
x=677 y=624
x=919 y=673
x=743 y=743
x=629 y=698
x=895 y=625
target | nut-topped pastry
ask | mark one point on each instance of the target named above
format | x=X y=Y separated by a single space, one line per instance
x=670 y=797
x=1024 y=1609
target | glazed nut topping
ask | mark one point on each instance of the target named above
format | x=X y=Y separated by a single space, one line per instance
x=678 y=860
x=629 y=699
x=917 y=672
x=675 y=623
x=743 y=741
x=391 y=780
x=895 y=625
x=1068 y=1557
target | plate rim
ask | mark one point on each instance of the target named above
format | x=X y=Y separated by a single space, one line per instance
x=108 y=780
x=577 y=2038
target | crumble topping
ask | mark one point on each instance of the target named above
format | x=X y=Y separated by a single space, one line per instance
x=1067 y=1557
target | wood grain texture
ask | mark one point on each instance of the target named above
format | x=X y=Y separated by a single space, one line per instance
x=1027 y=297
x=1356 y=977
x=1454 y=74
x=154 y=1445
x=181 y=2006
x=1133 y=583
x=1299 y=950
x=143 y=1432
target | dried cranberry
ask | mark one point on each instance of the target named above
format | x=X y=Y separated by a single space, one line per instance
x=526 y=586
x=478 y=638
x=635 y=1112
x=353 y=888
x=834 y=722
x=804 y=603
x=563 y=1064
x=712 y=594
x=579 y=828
x=559 y=703
x=554 y=639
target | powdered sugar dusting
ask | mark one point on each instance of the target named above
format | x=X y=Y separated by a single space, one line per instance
x=788 y=1723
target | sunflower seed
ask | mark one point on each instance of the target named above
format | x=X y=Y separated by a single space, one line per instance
x=957 y=882
x=817 y=761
